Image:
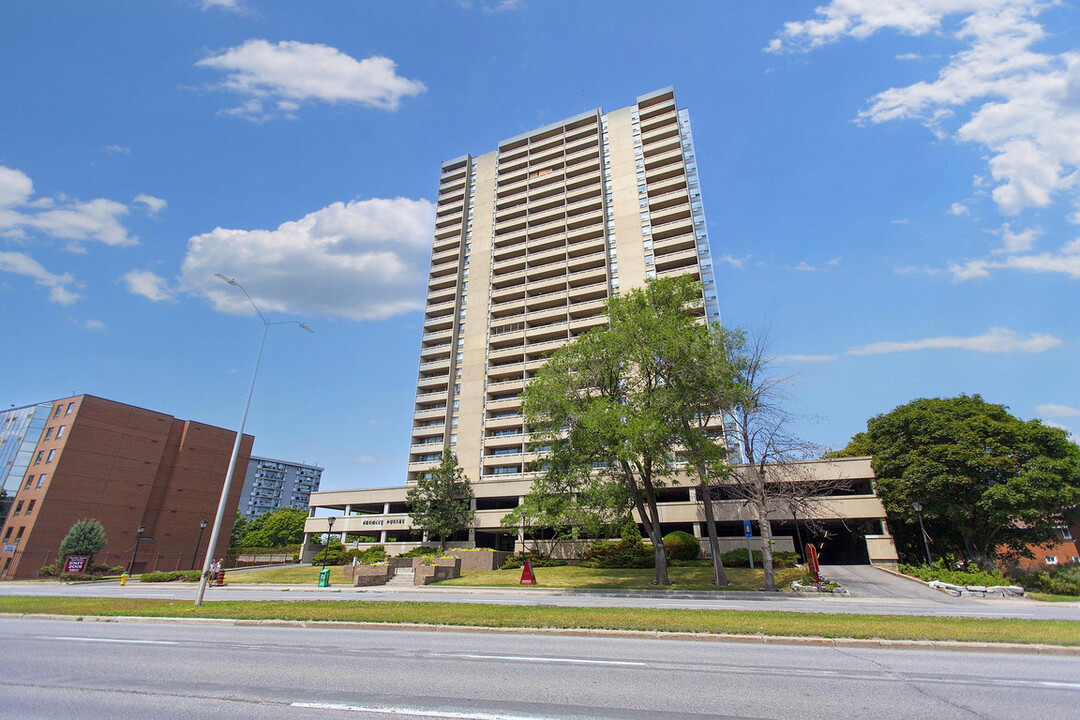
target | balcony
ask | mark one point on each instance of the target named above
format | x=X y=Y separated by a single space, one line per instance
x=431 y=381
x=674 y=243
x=671 y=229
x=436 y=335
x=430 y=411
x=679 y=259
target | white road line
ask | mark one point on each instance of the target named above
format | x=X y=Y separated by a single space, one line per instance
x=416 y=712
x=107 y=640
x=527 y=658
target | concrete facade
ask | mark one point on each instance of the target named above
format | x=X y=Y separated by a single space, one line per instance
x=270 y=484
x=124 y=466
x=530 y=240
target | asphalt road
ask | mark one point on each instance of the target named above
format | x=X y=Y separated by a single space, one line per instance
x=873 y=592
x=64 y=668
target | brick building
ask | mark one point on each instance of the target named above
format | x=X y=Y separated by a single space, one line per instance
x=124 y=466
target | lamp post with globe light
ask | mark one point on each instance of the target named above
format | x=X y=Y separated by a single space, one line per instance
x=917 y=507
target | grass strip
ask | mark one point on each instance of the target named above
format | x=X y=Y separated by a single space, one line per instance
x=886 y=627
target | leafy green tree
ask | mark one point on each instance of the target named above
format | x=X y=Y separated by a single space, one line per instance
x=86 y=537
x=989 y=483
x=612 y=406
x=282 y=526
x=240 y=525
x=441 y=503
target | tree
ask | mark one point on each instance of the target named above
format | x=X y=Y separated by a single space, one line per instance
x=772 y=478
x=989 y=483
x=240 y=525
x=608 y=407
x=280 y=527
x=86 y=537
x=441 y=502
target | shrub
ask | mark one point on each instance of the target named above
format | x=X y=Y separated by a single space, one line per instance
x=623 y=553
x=535 y=559
x=419 y=552
x=371 y=555
x=1063 y=580
x=329 y=556
x=740 y=558
x=172 y=576
x=679 y=545
x=971 y=575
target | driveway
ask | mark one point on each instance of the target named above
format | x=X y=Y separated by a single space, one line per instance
x=867 y=581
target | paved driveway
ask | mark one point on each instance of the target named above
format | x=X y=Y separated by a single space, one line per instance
x=867 y=581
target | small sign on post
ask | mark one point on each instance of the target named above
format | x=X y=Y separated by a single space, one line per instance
x=76 y=563
x=812 y=562
x=748 y=531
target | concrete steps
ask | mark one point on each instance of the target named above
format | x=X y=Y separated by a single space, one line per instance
x=403 y=576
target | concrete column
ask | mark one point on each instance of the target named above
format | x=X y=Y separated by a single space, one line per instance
x=348 y=510
x=693 y=494
x=382 y=536
x=697 y=529
x=386 y=509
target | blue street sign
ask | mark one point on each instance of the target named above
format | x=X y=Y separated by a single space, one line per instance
x=747 y=530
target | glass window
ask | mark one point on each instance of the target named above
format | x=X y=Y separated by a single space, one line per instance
x=650 y=274
x=614 y=267
x=29 y=481
x=59 y=409
x=18 y=507
x=1050 y=559
x=40 y=455
x=48 y=434
x=60 y=432
x=71 y=406
x=52 y=454
x=30 y=507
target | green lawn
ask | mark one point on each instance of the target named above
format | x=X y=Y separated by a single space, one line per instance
x=304 y=575
x=572 y=576
x=1046 y=597
x=1052 y=632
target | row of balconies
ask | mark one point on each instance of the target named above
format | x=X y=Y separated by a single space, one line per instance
x=551 y=158
x=549 y=140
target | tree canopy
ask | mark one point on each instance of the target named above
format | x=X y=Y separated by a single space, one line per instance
x=619 y=404
x=989 y=483
x=441 y=502
x=86 y=537
x=282 y=526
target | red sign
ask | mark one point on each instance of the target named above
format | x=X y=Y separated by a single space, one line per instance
x=527 y=576
x=812 y=561
x=76 y=563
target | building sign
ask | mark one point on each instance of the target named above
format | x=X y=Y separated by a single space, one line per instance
x=10 y=548
x=748 y=531
x=383 y=523
x=76 y=563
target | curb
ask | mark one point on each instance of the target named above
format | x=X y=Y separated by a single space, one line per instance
x=943 y=645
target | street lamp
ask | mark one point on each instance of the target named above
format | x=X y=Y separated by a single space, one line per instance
x=917 y=507
x=798 y=535
x=239 y=437
x=138 y=539
x=329 y=527
x=198 y=543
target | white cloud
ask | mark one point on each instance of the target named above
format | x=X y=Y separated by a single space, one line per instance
x=804 y=266
x=909 y=56
x=1065 y=261
x=996 y=340
x=1026 y=103
x=293 y=72
x=15 y=188
x=735 y=262
x=1054 y=410
x=93 y=325
x=22 y=264
x=1017 y=242
x=61 y=218
x=114 y=149
x=363 y=260
x=231 y=5
x=900 y=221
x=805 y=358
x=154 y=205
x=959 y=208
x=149 y=284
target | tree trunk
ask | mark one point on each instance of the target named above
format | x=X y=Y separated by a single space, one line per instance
x=714 y=542
x=766 y=546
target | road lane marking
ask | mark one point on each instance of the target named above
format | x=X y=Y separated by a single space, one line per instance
x=528 y=658
x=107 y=640
x=416 y=712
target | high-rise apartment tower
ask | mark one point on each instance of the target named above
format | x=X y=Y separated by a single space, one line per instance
x=530 y=240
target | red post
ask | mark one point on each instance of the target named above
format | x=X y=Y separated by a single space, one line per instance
x=812 y=562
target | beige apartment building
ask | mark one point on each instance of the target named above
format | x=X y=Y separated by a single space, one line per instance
x=529 y=242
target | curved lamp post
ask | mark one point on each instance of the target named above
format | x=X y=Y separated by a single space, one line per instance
x=326 y=548
x=138 y=541
x=917 y=507
x=239 y=437
x=198 y=543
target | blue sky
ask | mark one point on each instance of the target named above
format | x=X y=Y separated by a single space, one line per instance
x=892 y=189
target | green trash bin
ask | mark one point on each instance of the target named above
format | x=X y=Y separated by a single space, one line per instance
x=324 y=577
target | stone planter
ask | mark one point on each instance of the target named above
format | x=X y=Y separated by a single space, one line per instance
x=368 y=575
x=438 y=569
